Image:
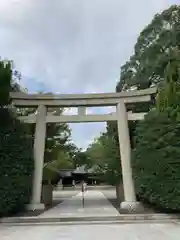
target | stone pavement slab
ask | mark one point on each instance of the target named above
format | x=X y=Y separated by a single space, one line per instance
x=144 y=231
x=95 y=205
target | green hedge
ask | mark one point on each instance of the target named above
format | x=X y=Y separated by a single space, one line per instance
x=156 y=159
x=16 y=164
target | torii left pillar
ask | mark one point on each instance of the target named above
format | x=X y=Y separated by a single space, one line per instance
x=39 y=146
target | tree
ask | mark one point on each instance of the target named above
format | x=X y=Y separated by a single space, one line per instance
x=105 y=155
x=156 y=154
x=57 y=138
x=155 y=48
x=155 y=159
x=57 y=134
x=58 y=143
x=169 y=92
x=95 y=153
x=6 y=83
x=52 y=169
x=16 y=156
x=152 y=51
x=81 y=159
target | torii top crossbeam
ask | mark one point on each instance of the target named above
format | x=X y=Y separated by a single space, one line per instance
x=77 y=100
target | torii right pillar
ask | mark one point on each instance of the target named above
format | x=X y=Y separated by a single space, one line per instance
x=130 y=203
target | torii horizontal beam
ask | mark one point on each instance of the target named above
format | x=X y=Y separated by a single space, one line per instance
x=82 y=118
x=76 y=100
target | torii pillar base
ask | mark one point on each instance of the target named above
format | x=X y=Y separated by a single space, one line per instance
x=131 y=207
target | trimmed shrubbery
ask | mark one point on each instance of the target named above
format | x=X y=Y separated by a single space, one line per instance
x=156 y=156
x=156 y=159
x=16 y=154
x=16 y=165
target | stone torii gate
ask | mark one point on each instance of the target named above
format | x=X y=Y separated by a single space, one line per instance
x=81 y=101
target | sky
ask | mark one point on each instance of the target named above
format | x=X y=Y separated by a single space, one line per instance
x=73 y=46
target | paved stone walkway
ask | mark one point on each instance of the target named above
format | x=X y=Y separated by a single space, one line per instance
x=95 y=232
x=95 y=205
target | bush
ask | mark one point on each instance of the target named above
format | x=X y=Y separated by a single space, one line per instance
x=16 y=164
x=156 y=159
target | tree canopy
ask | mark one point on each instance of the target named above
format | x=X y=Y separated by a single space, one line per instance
x=155 y=140
x=104 y=155
x=152 y=51
x=156 y=154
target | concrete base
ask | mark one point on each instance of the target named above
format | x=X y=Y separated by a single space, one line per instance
x=131 y=207
x=33 y=207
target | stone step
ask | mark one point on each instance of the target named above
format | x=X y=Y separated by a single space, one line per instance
x=121 y=218
x=56 y=223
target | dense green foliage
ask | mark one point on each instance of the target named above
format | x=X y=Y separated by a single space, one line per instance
x=156 y=156
x=169 y=91
x=155 y=141
x=152 y=51
x=58 y=146
x=52 y=169
x=104 y=154
x=57 y=138
x=16 y=159
x=16 y=148
x=156 y=159
x=5 y=82
x=16 y=165
x=156 y=46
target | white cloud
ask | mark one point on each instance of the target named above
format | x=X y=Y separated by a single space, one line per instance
x=72 y=46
